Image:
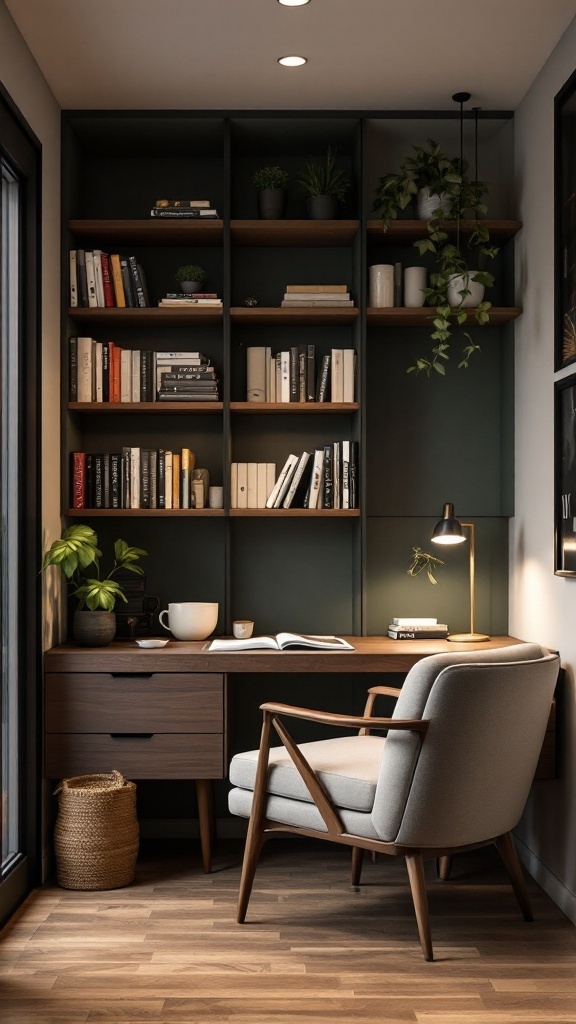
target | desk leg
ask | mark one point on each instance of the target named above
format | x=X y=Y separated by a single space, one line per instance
x=204 y=798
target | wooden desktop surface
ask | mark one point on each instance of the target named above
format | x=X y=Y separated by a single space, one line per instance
x=370 y=654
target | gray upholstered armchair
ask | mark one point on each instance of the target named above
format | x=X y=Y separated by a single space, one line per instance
x=452 y=773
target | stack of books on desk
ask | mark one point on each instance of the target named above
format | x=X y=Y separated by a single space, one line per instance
x=417 y=629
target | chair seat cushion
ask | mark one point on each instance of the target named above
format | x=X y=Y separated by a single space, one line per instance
x=347 y=766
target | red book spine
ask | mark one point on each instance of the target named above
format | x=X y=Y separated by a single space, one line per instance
x=115 y=372
x=109 y=299
x=78 y=479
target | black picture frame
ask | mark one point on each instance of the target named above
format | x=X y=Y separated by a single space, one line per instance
x=565 y=476
x=565 y=224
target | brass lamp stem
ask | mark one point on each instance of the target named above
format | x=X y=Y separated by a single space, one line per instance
x=470 y=637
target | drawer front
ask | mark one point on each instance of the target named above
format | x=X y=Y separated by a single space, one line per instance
x=96 y=702
x=159 y=756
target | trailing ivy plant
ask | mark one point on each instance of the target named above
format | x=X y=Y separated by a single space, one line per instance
x=76 y=553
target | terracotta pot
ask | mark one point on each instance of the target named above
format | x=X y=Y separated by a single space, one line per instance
x=93 y=629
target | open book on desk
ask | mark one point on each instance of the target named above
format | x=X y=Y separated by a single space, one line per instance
x=281 y=642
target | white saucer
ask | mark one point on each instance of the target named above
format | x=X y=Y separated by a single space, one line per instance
x=152 y=643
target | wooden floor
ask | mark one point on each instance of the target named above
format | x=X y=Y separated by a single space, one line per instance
x=313 y=949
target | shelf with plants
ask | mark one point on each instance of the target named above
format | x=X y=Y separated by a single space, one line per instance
x=406 y=232
x=402 y=316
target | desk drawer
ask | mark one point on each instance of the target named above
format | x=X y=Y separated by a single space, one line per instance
x=96 y=702
x=158 y=756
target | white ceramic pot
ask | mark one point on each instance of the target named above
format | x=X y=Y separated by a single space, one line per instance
x=190 y=620
x=415 y=281
x=381 y=280
x=459 y=282
x=428 y=201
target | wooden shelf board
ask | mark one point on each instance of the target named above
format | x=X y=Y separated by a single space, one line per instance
x=263 y=408
x=147 y=317
x=151 y=232
x=346 y=513
x=305 y=315
x=403 y=232
x=309 y=233
x=147 y=407
x=142 y=512
x=422 y=317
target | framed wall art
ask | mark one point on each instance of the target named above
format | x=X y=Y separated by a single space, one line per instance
x=565 y=476
x=565 y=224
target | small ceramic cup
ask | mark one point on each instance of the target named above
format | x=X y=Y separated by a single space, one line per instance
x=242 y=629
x=215 y=497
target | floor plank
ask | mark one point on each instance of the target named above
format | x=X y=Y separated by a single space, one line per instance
x=168 y=949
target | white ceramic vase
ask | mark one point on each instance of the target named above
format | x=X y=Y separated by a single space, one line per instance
x=428 y=201
x=459 y=282
x=415 y=279
x=381 y=277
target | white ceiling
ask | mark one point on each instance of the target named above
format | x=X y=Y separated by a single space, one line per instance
x=222 y=54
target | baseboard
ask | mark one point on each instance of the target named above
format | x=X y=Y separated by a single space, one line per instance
x=187 y=828
x=555 y=889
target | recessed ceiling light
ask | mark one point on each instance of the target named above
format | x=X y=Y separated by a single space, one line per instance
x=292 y=62
x=293 y=3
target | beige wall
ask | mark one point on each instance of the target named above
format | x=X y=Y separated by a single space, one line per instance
x=28 y=89
x=542 y=606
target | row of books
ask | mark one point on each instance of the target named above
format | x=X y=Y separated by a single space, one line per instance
x=106 y=372
x=417 y=629
x=320 y=295
x=106 y=281
x=184 y=208
x=324 y=478
x=138 y=478
x=296 y=375
x=251 y=483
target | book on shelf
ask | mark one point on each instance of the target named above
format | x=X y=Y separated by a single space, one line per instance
x=138 y=282
x=190 y=213
x=137 y=478
x=97 y=258
x=256 y=373
x=405 y=633
x=190 y=300
x=181 y=204
x=337 y=376
x=407 y=621
x=312 y=496
x=297 y=487
x=81 y=277
x=307 y=289
x=281 y=642
x=73 y=279
x=290 y=376
x=116 y=271
x=107 y=282
x=316 y=296
x=90 y=278
x=242 y=485
x=321 y=303
x=105 y=372
x=280 y=488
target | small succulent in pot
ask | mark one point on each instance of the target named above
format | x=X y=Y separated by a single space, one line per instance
x=191 y=278
x=270 y=177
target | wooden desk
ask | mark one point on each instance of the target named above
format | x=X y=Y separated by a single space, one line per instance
x=162 y=714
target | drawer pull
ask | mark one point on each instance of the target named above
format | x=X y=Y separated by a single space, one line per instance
x=131 y=675
x=131 y=735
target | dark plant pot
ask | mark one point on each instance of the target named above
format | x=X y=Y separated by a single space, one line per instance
x=189 y=287
x=271 y=203
x=322 y=207
x=93 y=629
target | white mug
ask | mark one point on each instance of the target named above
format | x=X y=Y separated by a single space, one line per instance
x=190 y=620
x=242 y=629
x=216 y=497
x=414 y=284
x=381 y=277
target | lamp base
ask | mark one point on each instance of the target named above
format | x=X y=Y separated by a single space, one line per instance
x=467 y=638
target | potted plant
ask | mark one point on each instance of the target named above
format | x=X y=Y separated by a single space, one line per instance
x=325 y=185
x=271 y=184
x=191 y=279
x=77 y=555
x=459 y=279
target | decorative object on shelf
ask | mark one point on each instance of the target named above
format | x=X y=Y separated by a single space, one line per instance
x=447 y=178
x=448 y=530
x=422 y=560
x=190 y=620
x=215 y=497
x=415 y=282
x=565 y=476
x=242 y=629
x=191 y=279
x=76 y=553
x=565 y=223
x=271 y=184
x=250 y=301
x=325 y=185
x=381 y=281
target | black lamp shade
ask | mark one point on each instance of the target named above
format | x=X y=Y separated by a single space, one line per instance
x=448 y=530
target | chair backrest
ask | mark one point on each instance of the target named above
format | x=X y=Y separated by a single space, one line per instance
x=469 y=779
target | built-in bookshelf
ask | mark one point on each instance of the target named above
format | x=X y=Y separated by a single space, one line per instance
x=324 y=569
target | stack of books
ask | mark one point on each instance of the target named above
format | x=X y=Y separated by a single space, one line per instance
x=101 y=280
x=182 y=377
x=138 y=478
x=196 y=299
x=184 y=209
x=321 y=295
x=417 y=629
x=296 y=375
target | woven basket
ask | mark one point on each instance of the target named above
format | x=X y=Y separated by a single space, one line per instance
x=96 y=832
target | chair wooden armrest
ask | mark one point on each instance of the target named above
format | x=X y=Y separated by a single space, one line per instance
x=385 y=691
x=346 y=721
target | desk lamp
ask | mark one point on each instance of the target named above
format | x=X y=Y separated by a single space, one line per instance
x=449 y=531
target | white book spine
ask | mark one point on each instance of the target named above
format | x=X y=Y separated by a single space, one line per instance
x=345 y=474
x=256 y=374
x=126 y=375
x=267 y=357
x=287 y=467
x=84 y=355
x=349 y=366
x=272 y=379
x=98 y=371
x=252 y=485
x=285 y=484
x=316 y=478
x=270 y=479
x=90 y=279
x=336 y=475
x=284 y=377
x=234 y=485
x=134 y=478
x=242 y=485
x=168 y=479
x=98 y=279
x=296 y=478
x=73 y=279
x=278 y=377
x=261 y=484
x=337 y=378
x=405 y=621
x=135 y=375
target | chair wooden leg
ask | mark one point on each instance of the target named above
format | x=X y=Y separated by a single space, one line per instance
x=254 y=843
x=356 y=867
x=415 y=866
x=204 y=799
x=443 y=866
x=507 y=851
